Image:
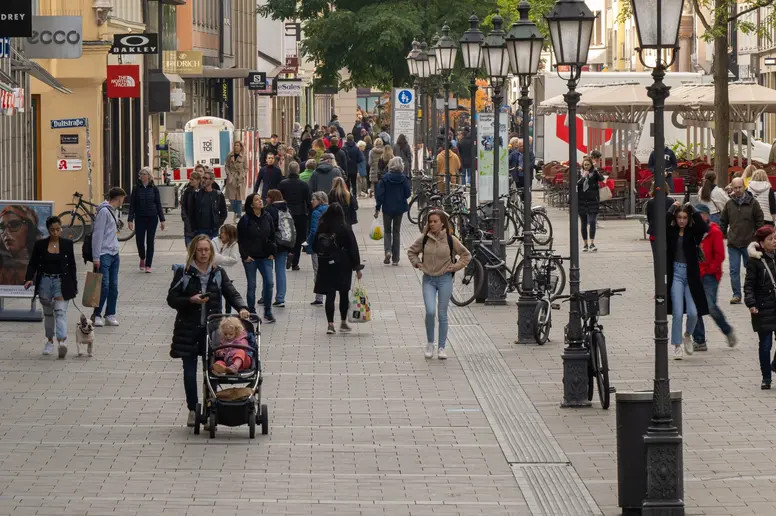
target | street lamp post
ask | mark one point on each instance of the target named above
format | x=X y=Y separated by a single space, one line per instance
x=471 y=51
x=446 y=50
x=423 y=69
x=657 y=26
x=412 y=65
x=524 y=43
x=496 y=61
x=434 y=72
x=571 y=26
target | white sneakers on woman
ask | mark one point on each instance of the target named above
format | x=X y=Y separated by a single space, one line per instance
x=429 y=352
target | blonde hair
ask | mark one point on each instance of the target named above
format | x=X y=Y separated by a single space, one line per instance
x=388 y=153
x=379 y=142
x=318 y=145
x=230 y=323
x=340 y=190
x=748 y=171
x=760 y=175
x=192 y=251
x=361 y=145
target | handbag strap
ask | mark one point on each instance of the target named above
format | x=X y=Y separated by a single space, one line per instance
x=770 y=274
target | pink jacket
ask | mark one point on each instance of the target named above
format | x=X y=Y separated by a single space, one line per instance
x=241 y=341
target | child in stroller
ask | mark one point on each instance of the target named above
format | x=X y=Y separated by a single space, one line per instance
x=232 y=355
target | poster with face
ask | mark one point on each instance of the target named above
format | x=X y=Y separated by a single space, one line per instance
x=21 y=224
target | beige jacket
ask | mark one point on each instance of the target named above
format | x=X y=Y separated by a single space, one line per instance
x=436 y=255
x=234 y=186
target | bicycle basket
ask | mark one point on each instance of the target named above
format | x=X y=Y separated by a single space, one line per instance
x=594 y=303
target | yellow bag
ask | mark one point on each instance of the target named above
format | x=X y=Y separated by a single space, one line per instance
x=376 y=231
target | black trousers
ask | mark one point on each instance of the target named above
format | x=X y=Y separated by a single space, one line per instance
x=343 y=305
x=145 y=233
x=300 y=224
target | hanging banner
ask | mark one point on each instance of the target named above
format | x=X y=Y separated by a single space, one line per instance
x=485 y=139
x=21 y=224
x=123 y=81
x=403 y=114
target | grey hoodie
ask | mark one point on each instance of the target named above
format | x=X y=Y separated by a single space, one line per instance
x=105 y=238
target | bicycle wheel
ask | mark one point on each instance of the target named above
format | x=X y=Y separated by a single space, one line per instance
x=73 y=225
x=601 y=365
x=123 y=231
x=590 y=368
x=510 y=230
x=541 y=228
x=561 y=272
x=459 y=221
x=466 y=283
x=413 y=210
x=542 y=322
x=422 y=216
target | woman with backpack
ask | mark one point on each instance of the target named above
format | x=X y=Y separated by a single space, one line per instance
x=285 y=238
x=374 y=169
x=195 y=294
x=256 y=241
x=438 y=248
x=145 y=212
x=341 y=195
x=338 y=257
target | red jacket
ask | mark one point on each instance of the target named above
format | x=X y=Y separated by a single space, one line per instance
x=713 y=247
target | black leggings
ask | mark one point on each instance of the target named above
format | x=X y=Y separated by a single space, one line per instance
x=343 y=305
x=585 y=219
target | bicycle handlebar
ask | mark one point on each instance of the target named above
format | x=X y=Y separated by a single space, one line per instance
x=79 y=195
x=617 y=290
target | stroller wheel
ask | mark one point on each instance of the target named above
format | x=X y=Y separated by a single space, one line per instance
x=252 y=427
x=264 y=420
x=197 y=418
x=212 y=424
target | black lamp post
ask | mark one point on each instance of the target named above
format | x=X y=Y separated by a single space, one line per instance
x=524 y=44
x=423 y=69
x=446 y=50
x=496 y=61
x=571 y=26
x=657 y=26
x=471 y=51
x=434 y=73
x=412 y=65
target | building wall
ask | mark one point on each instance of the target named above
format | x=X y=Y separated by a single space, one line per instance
x=18 y=174
x=245 y=36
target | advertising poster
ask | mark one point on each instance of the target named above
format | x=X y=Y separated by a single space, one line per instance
x=485 y=135
x=21 y=224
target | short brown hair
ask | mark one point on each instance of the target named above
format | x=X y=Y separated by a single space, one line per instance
x=115 y=192
x=274 y=196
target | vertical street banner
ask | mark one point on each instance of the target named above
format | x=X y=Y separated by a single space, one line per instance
x=403 y=115
x=485 y=138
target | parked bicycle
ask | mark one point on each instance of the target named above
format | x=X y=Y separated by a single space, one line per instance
x=548 y=271
x=545 y=261
x=421 y=198
x=74 y=224
x=592 y=305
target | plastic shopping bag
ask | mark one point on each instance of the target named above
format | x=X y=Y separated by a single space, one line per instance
x=376 y=230
x=359 y=305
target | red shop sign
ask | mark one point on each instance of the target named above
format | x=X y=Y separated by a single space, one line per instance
x=124 y=81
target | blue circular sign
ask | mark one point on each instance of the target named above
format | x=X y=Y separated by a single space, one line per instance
x=405 y=97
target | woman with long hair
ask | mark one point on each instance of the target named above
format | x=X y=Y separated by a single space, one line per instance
x=236 y=173
x=760 y=188
x=145 y=212
x=685 y=230
x=589 y=199
x=256 y=241
x=319 y=148
x=338 y=258
x=195 y=293
x=305 y=146
x=374 y=165
x=382 y=163
x=320 y=202
x=403 y=150
x=748 y=173
x=713 y=196
x=227 y=253
x=760 y=295
x=52 y=270
x=434 y=253
x=341 y=195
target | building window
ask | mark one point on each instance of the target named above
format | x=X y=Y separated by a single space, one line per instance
x=598 y=33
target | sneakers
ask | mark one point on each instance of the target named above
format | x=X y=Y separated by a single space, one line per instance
x=110 y=320
x=219 y=369
x=191 y=419
x=142 y=266
x=295 y=268
x=678 y=355
x=732 y=339
x=148 y=270
x=330 y=330
x=288 y=263
x=395 y=264
x=387 y=258
x=269 y=318
x=429 y=350
x=442 y=354
x=699 y=346
x=735 y=300
x=98 y=322
x=687 y=341
x=345 y=328
x=316 y=303
x=260 y=302
x=48 y=348
x=279 y=304
x=593 y=248
x=586 y=248
x=62 y=349
x=765 y=385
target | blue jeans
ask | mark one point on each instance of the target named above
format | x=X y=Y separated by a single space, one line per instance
x=144 y=237
x=264 y=267
x=433 y=287
x=109 y=268
x=236 y=206
x=710 y=286
x=54 y=310
x=280 y=277
x=766 y=342
x=681 y=299
x=466 y=175
x=737 y=254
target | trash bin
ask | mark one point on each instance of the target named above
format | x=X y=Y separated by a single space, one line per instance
x=634 y=413
x=168 y=194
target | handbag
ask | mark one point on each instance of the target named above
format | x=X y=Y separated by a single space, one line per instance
x=92 y=290
x=604 y=194
x=359 y=311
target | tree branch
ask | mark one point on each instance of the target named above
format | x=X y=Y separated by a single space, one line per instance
x=697 y=8
x=749 y=10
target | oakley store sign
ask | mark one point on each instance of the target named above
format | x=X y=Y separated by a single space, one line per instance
x=16 y=18
x=135 y=44
x=55 y=37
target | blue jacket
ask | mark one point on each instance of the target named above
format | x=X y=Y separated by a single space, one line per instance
x=669 y=157
x=314 y=218
x=392 y=193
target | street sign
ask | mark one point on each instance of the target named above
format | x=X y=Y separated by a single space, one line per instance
x=68 y=139
x=289 y=88
x=5 y=48
x=256 y=81
x=69 y=165
x=485 y=138
x=186 y=62
x=403 y=115
x=135 y=44
x=69 y=123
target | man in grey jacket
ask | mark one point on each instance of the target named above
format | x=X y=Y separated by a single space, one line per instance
x=324 y=175
x=105 y=250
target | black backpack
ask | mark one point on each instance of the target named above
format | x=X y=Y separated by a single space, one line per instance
x=327 y=245
x=86 y=248
x=449 y=243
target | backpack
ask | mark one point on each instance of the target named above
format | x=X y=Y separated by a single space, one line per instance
x=286 y=235
x=449 y=243
x=328 y=248
x=86 y=248
x=185 y=278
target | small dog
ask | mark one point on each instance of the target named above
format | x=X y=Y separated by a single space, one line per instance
x=85 y=335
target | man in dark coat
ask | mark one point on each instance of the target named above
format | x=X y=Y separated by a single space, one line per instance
x=269 y=178
x=297 y=195
x=270 y=148
x=323 y=176
x=354 y=157
x=339 y=155
x=207 y=208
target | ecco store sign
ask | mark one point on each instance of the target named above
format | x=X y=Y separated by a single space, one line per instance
x=55 y=37
x=135 y=44
x=15 y=18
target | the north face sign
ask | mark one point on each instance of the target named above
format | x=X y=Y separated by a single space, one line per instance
x=123 y=81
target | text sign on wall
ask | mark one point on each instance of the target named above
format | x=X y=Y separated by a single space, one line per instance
x=403 y=115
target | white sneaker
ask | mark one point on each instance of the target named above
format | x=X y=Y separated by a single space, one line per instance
x=687 y=341
x=732 y=339
x=429 y=350
x=442 y=354
x=99 y=322
x=62 y=349
x=678 y=355
x=110 y=320
x=48 y=348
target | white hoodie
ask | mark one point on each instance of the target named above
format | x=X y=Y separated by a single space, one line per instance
x=227 y=257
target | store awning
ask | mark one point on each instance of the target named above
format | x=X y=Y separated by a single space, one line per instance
x=213 y=72
x=7 y=80
x=19 y=62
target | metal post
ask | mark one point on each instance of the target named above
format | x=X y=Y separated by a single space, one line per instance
x=575 y=356
x=526 y=305
x=663 y=442
x=434 y=129
x=473 y=173
x=418 y=125
x=496 y=286
x=447 y=132
x=423 y=124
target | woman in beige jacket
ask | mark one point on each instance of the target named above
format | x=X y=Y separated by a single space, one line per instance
x=234 y=187
x=438 y=248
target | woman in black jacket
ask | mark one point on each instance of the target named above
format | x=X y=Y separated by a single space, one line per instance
x=669 y=201
x=52 y=270
x=297 y=195
x=145 y=211
x=345 y=198
x=684 y=232
x=256 y=240
x=195 y=293
x=338 y=258
x=403 y=150
x=760 y=297
x=587 y=193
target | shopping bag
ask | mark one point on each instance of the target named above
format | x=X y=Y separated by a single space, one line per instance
x=359 y=305
x=92 y=290
x=376 y=230
x=605 y=193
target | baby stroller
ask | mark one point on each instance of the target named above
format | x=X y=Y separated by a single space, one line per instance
x=233 y=399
